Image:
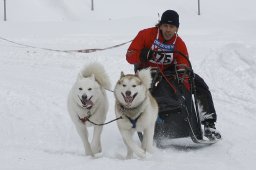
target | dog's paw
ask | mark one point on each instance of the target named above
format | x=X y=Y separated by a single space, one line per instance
x=98 y=155
x=149 y=149
x=149 y=155
x=90 y=154
x=129 y=155
x=141 y=153
x=96 y=149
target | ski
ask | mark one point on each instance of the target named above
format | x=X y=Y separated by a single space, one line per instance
x=204 y=141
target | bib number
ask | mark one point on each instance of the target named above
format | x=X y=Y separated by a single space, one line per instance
x=164 y=58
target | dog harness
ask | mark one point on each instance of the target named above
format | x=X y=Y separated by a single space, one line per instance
x=133 y=121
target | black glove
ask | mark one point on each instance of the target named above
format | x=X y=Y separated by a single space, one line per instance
x=146 y=54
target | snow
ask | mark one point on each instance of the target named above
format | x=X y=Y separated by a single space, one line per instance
x=36 y=131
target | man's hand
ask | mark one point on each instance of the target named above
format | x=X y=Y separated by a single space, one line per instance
x=146 y=54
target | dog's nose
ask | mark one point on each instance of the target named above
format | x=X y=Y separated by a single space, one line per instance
x=128 y=93
x=84 y=97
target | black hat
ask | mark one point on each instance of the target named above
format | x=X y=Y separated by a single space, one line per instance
x=170 y=17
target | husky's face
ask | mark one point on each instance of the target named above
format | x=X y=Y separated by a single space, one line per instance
x=85 y=92
x=130 y=91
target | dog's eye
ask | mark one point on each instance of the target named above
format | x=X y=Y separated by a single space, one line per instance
x=80 y=88
x=133 y=85
x=90 y=89
x=124 y=85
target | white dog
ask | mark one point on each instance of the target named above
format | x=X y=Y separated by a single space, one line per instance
x=87 y=100
x=138 y=109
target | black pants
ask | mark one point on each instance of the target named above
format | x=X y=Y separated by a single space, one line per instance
x=205 y=98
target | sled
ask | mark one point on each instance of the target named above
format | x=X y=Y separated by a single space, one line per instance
x=178 y=108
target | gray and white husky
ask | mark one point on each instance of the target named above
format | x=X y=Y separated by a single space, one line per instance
x=138 y=109
x=87 y=100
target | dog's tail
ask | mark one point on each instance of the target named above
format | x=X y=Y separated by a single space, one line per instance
x=99 y=72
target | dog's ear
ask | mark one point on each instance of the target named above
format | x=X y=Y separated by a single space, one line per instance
x=137 y=73
x=80 y=76
x=122 y=74
x=145 y=76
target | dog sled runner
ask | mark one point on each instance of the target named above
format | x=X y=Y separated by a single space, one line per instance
x=178 y=108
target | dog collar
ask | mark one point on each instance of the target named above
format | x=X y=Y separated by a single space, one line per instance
x=129 y=109
x=86 y=118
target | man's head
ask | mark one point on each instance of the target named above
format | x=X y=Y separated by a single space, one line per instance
x=170 y=17
x=169 y=24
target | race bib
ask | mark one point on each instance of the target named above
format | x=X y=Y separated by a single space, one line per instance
x=163 y=58
x=164 y=53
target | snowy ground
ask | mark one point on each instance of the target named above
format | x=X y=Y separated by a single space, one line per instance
x=35 y=129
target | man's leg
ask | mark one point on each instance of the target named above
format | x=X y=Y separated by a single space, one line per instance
x=209 y=115
x=204 y=96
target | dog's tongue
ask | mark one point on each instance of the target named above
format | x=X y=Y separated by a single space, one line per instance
x=88 y=104
x=128 y=99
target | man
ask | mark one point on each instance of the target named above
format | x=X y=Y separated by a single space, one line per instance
x=163 y=38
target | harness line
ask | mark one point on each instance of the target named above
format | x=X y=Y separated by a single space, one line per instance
x=90 y=50
x=102 y=124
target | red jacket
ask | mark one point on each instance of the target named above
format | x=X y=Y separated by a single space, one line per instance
x=145 y=39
